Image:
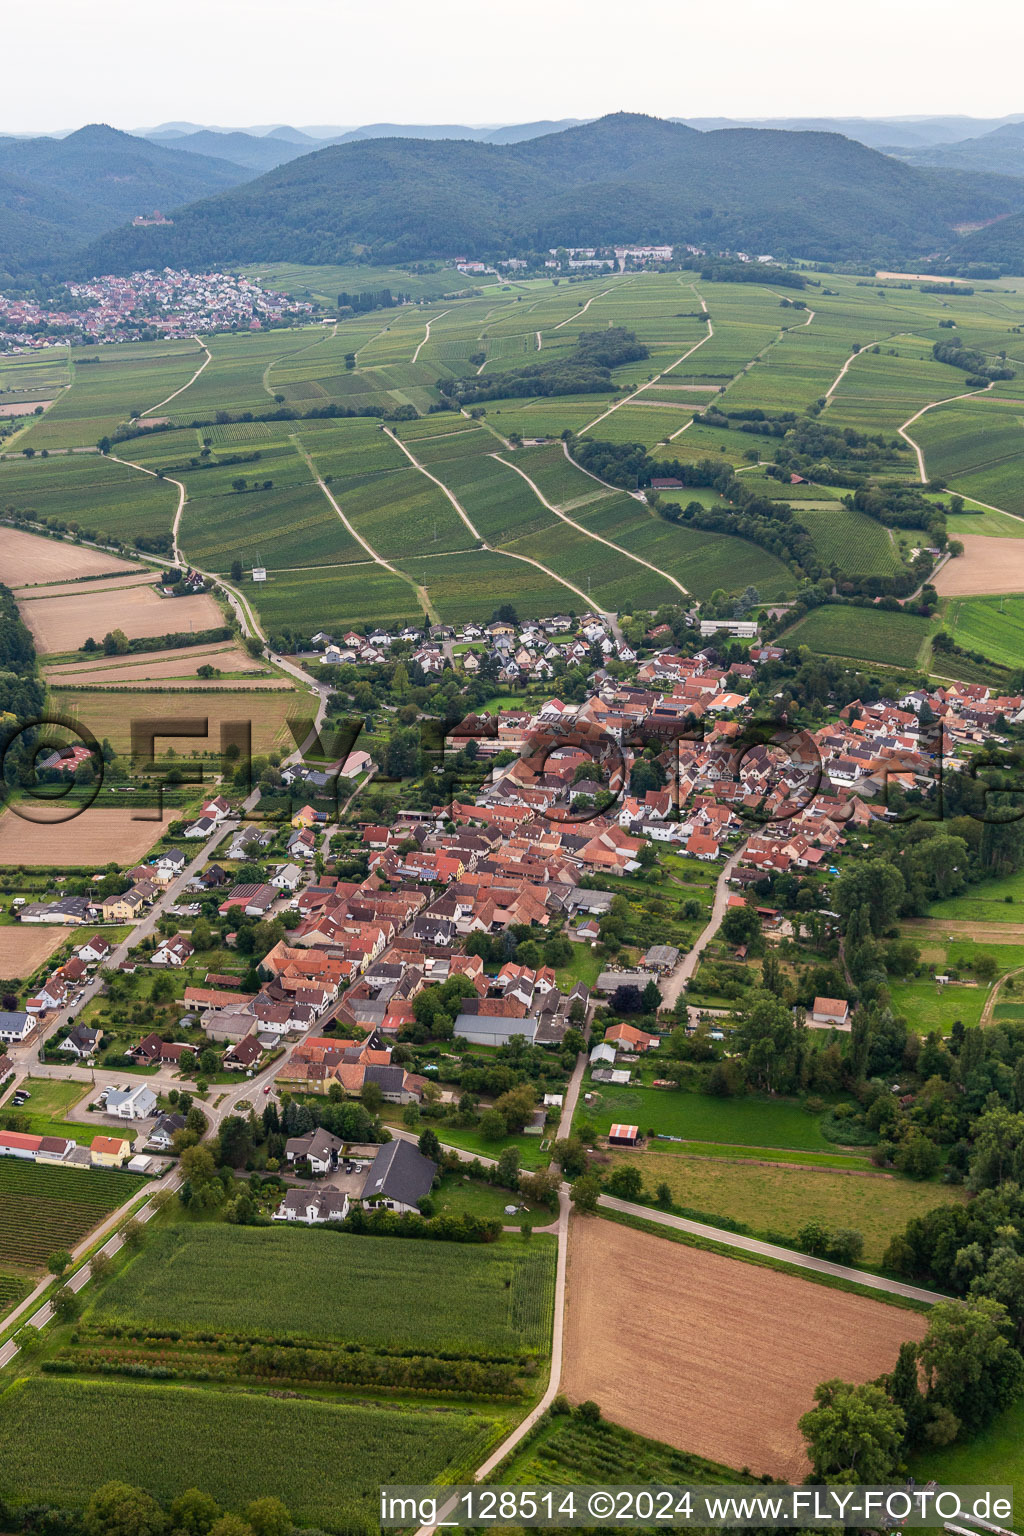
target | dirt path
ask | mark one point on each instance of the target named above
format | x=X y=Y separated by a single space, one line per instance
x=206 y=360
x=426 y=338
x=268 y=370
x=946 y=400
x=582 y=309
x=957 y=928
x=852 y=359
x=636 y=495
x=421 y=592
x=489 y=548
x=990 y=1001
x=674 y=983
x=581 y=529
x=657 y=377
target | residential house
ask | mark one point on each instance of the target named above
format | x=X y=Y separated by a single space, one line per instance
x=163 y=1132
x=399 y=1177
x=174 y=952
x=15 y=1027
x=319 y=1148
x=109 y=1151
x=312 y=1207
x=131 y=1103
x=626 y=1038
x=829 y=1013
x=82 y=1042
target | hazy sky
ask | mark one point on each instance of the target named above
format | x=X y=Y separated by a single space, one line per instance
x=349 y=62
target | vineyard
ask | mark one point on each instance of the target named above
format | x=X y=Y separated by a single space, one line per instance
x=11 y=1291
x=325 y=1461
x=46 y=1208
x=324 y=1285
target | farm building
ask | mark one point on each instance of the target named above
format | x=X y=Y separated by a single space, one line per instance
x=627 y=1038
x=661 y=957
x=494 y=1029
x=624 y=1136
x=609 y=980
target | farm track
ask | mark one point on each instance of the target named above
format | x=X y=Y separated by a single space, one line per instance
x=947 y=400
x=581 y=529
x=207 y=359
x=426 y=338
x=421 y=592
x=311 y=347
x=582 y=309
x=658 y=376
x=489 y=548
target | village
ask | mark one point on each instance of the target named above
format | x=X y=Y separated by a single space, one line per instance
x=169 y=304
x=564 y=808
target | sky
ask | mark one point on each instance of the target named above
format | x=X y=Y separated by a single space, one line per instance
x=344 y=62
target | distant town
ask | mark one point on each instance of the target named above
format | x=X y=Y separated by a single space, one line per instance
x=144 y=306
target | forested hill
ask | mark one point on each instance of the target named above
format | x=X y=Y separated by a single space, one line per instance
x=623 y=177
x=56 y=194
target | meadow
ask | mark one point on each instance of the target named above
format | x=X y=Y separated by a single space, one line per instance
x=748 y=1121
x=330 y=1285
x=775 y=1201
x=324 y=1460
x=992 y=625
x=112 y=711
x=43 y=1208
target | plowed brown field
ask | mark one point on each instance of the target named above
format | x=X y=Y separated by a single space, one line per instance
x=985 y=566
x=96 y=837
x=711 y=1354
x=27 y=557
x=24 y=946
x=65 y=623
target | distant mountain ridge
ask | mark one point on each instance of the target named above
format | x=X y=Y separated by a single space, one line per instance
x=1001 y=152
x=625 y=176
x=58 y=193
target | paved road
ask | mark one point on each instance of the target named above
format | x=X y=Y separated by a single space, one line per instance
x=772 y=1251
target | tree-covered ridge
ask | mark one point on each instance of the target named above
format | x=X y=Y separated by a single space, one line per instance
x=57 y=193
x=585 y=371
x=624 y=177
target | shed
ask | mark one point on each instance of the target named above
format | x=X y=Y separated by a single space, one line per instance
x=624 y=1136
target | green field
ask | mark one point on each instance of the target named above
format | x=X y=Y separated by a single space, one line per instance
x=43 y=1208
x=993 y=1458
x=927 y=1006
x=325 y=1461
x=47 y=1109
x=863 y=634
x=992 y=625
x=750 y=1121
x=775 y=1202
x=331 y=1285
x=990 y=901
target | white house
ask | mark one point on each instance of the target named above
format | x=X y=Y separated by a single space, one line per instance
x=312 y=1207
x=287 y=877
x=131 y=1103
x=15 y=1027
